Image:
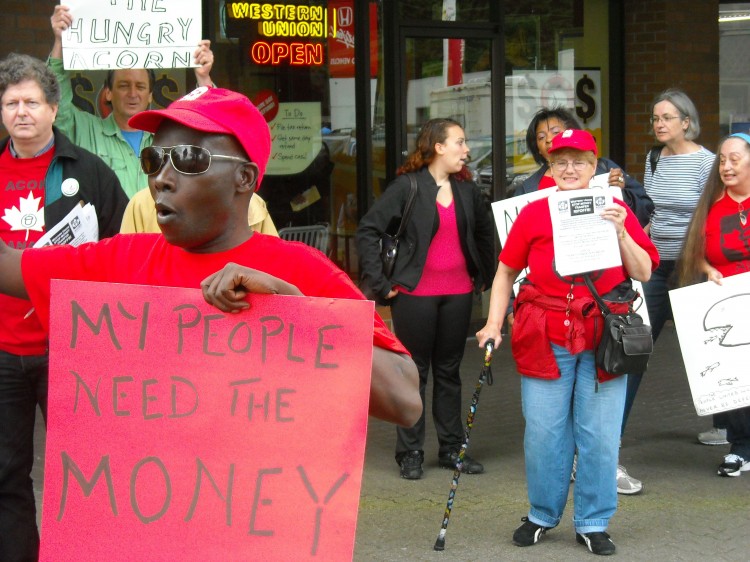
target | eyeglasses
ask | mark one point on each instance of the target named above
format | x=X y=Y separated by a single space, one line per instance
x=666 y=118
x=562 y=165
x=186 y=159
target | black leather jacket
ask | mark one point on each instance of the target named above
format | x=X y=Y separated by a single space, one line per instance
x=475 y=229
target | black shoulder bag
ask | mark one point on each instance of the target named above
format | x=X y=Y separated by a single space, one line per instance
x=626 y=343
x=389 y=244
x=653 y=156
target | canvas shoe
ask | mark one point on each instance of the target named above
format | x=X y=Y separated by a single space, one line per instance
x=597 y=542
x=714 y=436
x=528 y=533
x=733 y=465
x=411 y=465
x=626 y=484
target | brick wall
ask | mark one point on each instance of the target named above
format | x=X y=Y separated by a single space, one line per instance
x=669 y=43
x=25 y=27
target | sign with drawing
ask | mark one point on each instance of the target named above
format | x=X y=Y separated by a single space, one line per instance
x=178 y=432
x=713 y=328
x=132 y=34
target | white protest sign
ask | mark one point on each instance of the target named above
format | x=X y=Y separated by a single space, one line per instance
x=116 y=34
x=713 y=329
x=506 y=212
x=583 y=240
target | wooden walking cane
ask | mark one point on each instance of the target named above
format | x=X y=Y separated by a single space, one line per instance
x=485 y=374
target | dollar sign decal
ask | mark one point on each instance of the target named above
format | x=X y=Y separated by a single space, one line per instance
x=164 y=84
x=588 y=105
x=85 y=85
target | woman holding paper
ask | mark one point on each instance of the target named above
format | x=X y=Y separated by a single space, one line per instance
x=716 y=247
x=567 y=404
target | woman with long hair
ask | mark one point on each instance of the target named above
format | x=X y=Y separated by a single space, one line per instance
x=716 y=247
x=445 y=256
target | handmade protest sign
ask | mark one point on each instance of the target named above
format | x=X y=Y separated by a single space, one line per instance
x=506 y=212
x=713 y=329
x=132 y=34
x=178 y=432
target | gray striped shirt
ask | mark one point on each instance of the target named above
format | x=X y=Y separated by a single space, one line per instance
x=675 y=188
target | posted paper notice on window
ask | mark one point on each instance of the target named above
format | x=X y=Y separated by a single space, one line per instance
x=583 y=240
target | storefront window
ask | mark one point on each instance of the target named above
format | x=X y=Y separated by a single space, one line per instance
x=555 y=55
x=444 y=10
x=734 y=67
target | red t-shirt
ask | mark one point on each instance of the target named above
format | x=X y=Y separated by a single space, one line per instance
x=530 y=245
x=147 y=259
x=727 y=240
x=547 y=182
x=22 y=204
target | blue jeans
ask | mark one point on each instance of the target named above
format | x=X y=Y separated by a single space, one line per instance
x=23 y=385
x=564 y=415
x=656 y=291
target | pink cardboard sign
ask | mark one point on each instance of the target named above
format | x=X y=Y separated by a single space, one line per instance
x=178 y=432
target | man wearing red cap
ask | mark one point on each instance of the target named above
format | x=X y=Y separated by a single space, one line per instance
x=209 y=155
x=568 y=403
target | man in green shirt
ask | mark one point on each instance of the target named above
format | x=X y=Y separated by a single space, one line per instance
x=128 y=91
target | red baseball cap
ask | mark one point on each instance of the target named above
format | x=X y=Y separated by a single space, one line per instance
x=216 y=110
x=576 y=139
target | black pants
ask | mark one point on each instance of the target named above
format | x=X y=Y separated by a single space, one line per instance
x=434 y=329
x=738 y=431
x=23 y=385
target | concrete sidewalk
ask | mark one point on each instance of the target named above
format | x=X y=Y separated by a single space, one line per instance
x=685 y=513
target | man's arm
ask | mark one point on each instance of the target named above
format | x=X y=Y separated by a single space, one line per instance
x=11 y=279
x=204 y=57
x=394 y=388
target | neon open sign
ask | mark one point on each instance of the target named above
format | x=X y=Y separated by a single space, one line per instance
x=284 y=22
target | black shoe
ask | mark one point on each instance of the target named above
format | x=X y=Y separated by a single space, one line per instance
x=528 y=533
x=598 y=543
x=469 y=466
x=411 y=465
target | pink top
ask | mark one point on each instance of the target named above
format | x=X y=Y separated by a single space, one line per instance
x=444 y=271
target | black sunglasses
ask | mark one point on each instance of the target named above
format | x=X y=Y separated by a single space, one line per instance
x=186 y=159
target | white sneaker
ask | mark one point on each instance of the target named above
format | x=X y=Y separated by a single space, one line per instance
x=733 y=465
x=714 y=436
x=626 y=484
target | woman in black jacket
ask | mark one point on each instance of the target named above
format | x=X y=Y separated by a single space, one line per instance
x=446 y=253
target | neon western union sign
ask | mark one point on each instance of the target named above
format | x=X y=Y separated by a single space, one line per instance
x=286 y=21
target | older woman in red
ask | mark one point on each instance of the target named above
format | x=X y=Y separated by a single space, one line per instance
x=568 y=404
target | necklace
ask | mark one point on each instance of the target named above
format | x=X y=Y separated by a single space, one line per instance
x=742 y=213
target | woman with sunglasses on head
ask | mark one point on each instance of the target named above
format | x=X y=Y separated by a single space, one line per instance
x=674 y=179
x=546 y=124
x=715 y=248
x=568 y=403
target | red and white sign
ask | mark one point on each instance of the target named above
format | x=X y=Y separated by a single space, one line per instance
x=178 y=432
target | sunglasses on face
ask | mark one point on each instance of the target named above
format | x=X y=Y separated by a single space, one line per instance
x=186 y=159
